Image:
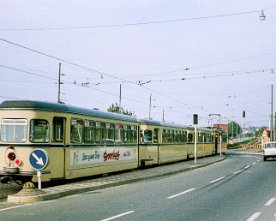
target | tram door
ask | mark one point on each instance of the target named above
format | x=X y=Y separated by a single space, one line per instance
x=58 y=138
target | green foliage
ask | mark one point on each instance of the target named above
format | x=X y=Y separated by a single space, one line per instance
x=116 y=109
x=234 y=129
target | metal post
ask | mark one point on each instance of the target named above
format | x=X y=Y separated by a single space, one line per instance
x=150 y=107
x=195 y=147
x=59 y=73
x=271 y=117
x=120 y=98
x=220 y=141
x=39 y=175
x=203 y=145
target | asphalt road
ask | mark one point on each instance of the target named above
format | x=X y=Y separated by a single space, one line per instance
x=242 y=187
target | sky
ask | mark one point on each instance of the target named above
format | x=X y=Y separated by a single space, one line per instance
x=208 y=57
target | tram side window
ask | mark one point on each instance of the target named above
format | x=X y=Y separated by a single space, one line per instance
x=200 y=137
x=171 y=136
x=77 y=130
x=109 y=137
x=133 y=134
x=190 y=138
x=58 y=129
x=147 y=136
x=164 y=136
x=89 y=131
x=119 y=133
x=208 y=138
x=100 y=129
x=14 y=130
x=155 y=135
x=39 y=131
x=177 y=136
x=183 y=137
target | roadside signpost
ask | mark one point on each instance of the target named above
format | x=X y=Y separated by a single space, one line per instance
x=38 y=160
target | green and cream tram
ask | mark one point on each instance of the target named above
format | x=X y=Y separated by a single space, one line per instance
x=166 y=142
x=78 y=142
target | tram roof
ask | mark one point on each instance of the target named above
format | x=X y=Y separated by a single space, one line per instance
x=163 y=124
x=57 y=107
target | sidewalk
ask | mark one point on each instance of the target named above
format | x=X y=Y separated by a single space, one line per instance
x=50 y=193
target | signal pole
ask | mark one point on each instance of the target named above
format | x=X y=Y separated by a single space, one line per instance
x=271 y=117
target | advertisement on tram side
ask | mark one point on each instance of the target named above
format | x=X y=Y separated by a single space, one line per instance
x=84 y=156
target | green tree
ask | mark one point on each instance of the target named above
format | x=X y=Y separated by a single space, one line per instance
x=116 y=109
x=234 y=129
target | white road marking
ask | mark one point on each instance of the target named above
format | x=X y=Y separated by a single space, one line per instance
x=216 y=180
x=179 y=194
x=118 y=216
x=254 y=163
x=254 y=216
x=247 y=166
x=14 y=207
x=269 y=202
x=238 y=171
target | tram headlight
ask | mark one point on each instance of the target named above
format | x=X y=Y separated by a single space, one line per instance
x=11 y=156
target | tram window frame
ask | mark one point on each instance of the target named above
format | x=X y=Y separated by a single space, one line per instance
x=208 y=138
x=177 y=136
x=37 y=136
x=58 y=129
x=190 y=137
x=155 y=137
x=80 y=133
x=148 y=136
x=89 y=131
x=183 y=137
x=171 y=136
x=14 y=125
x=164 y=136
x=133 y=130
x=120 y=133
x=109 y=134
x=100 y=132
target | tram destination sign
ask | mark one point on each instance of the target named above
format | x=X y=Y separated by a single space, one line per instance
x=38 y=159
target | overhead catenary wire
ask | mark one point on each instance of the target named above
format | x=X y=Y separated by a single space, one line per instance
x=131 y=24
x=212 y=76
x=101 y=73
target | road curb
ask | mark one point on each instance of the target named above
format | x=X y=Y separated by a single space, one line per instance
x=70 y=189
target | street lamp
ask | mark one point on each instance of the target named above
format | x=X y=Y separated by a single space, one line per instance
x=262 y=15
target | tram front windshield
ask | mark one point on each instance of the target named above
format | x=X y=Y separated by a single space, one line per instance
x=14 y=130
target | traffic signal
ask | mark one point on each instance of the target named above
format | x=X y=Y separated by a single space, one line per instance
x=243 y=114
x=195 y=119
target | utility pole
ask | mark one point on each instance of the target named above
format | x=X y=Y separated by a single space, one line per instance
x=150 y=107
x=59 y=83
x=271 y=117
x=120 y=98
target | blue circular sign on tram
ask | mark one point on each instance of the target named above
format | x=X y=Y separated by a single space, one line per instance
x=38 y=159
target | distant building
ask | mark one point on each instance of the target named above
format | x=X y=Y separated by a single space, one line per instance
x=221 y=126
